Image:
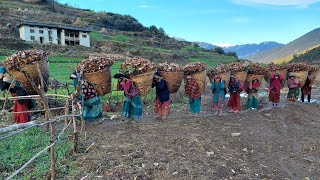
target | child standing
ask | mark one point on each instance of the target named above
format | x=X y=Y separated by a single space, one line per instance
x=293 y=84
x=234 y=90
x=274 y=89
x=252 y=90
x=219 y=92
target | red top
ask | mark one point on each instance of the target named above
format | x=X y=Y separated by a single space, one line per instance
x=192 y=89
x=128 y=87
x=293 y=83
x=276 y=83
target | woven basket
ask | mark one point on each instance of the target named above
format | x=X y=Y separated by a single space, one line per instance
x=302 y=76
x=201 y=79
x=314 y=76
x=101 y=81
x=240 y=76
x=143 y=82
x=251 y=76
x=225 y=76
x=31 y=70
x=173 y=79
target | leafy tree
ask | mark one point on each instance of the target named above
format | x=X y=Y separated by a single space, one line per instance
x=219 y=50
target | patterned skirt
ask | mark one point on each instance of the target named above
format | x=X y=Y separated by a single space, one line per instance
x=234 y=101
x=293 y=94
x=218 y=102
x=274 y=96
x=92 y=109
x=132 y=108
x=195 y=105
x=162 y=108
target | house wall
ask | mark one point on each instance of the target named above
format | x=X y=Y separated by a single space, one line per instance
x=62 y=38
x=84 y=41
x=26 y=34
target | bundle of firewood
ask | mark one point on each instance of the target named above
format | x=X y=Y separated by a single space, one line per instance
x=295 y=67
x=22 y=58
x=195 y=67
x=95 y=64
x=169 y=67
x=312 y=68
x=275 y=67
x=136 y=66
x=236 y=67
x=255 y=69
x=221 y=68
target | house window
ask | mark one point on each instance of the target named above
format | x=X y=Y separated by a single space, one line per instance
x=32 y=38
x=31 y=30
x=50 y=35
x=41 y=31
x=84 y=36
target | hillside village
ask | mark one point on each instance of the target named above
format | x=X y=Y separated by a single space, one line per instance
x=81 y=71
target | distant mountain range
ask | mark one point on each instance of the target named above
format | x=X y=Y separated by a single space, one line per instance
x=245 y=50
x=285 y=53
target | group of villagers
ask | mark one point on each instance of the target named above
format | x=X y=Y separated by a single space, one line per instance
x=132 y=105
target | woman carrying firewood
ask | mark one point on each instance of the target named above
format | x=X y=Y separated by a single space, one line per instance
x=274 y=88
x=252 y=89
x=235 y=88
x=92 y=109
x=219 y=94
x=306 y=88
x=293 y=85
x=192 y=90
x=132 y=105
x=21 y=106
x=162 y=106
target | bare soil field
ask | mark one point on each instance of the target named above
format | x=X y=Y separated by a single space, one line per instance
x=269 y=143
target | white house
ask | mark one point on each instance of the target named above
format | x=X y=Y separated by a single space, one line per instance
x=56 y=34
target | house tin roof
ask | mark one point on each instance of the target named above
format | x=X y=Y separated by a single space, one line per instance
x=55 y=26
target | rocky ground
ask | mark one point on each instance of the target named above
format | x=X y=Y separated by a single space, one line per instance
x=268 y=143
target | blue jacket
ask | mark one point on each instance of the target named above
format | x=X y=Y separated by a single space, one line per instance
x=162 y=90
x=218 y=89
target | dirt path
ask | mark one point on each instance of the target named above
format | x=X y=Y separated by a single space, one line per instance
x=278 y=143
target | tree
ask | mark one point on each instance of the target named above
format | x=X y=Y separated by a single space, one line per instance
x=219 y=50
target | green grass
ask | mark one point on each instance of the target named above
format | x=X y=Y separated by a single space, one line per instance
x=61 y=59
x=96 y=36
x=122 y=38
x=17 y=150
x=2 y=58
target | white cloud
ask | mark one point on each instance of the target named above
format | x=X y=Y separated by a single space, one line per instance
x=144 y=6
x=302 y=3
x=241 y=20
x=223 y=44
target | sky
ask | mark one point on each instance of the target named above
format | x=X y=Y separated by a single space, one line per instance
x=219 y=22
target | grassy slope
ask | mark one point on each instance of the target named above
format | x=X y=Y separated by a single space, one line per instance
x=289 y=58
x=17 y=150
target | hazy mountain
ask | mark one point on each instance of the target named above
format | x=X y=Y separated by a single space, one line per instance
x=206 y=45
x=298 y=46
x=246 y=50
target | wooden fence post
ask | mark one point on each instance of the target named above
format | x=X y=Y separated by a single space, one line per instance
x=66 y=111
x=75 y=133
